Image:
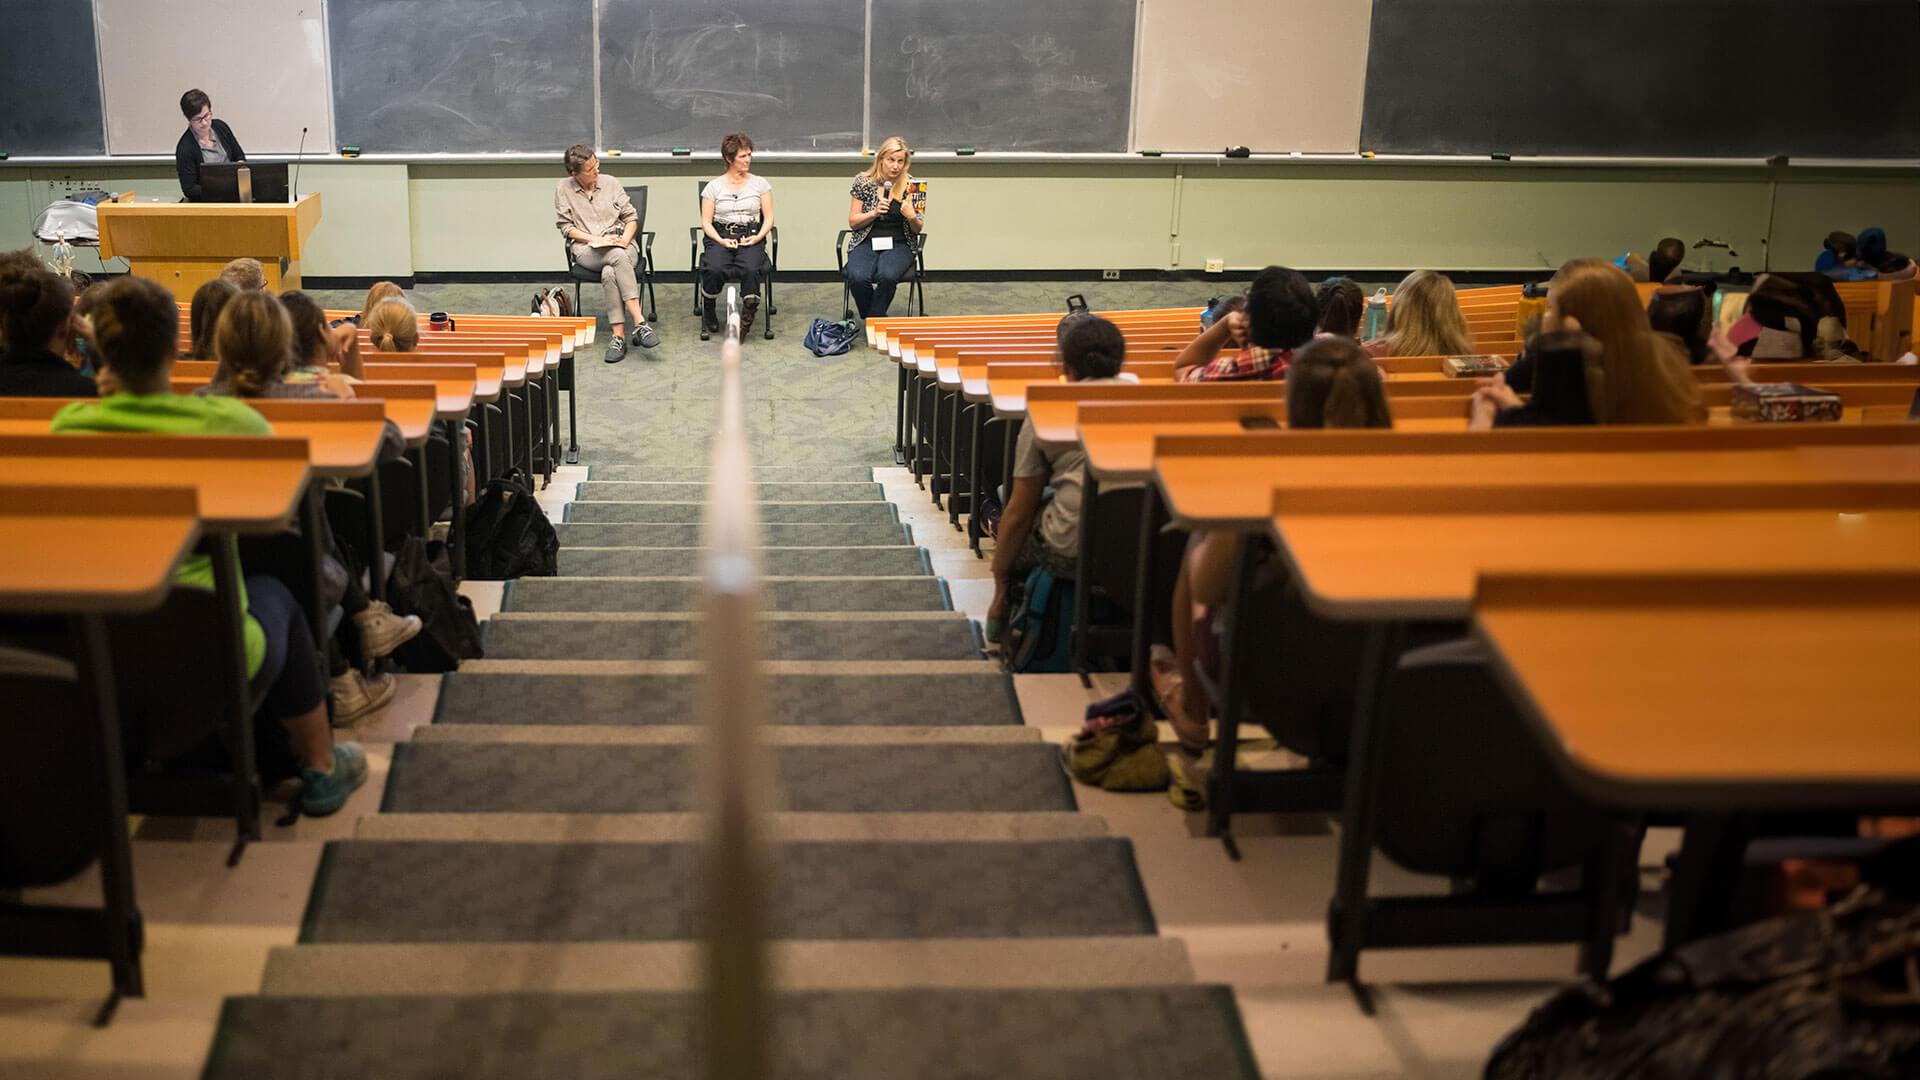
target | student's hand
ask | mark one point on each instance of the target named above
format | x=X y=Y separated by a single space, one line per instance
x=339 y=386
x=106 y=382
x=1236 y=325
x=1481 y=410
x=1727 y=355
x=882 y=208
x=729 y=243
x=1496 y=391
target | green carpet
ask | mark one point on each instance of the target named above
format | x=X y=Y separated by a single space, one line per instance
x=450 y=777
x=400 y=891
x=775 y=535
x=912 y=698
x=823 y=637
x=891 y=560
x=684 y=594
x=1147 y=1033
x=674 y=513
x=780 y=492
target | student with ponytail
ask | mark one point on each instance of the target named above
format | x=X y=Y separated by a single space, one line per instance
x=254 y=344
x=393 y=326
x=1032 y=534
x=1341 y=305
x=37 y=325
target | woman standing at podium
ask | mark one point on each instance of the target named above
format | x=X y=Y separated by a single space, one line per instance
x=206 y=142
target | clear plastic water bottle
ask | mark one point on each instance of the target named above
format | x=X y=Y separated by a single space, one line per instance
x=1375 y=322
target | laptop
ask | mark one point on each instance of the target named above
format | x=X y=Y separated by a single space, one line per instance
x=221 y=183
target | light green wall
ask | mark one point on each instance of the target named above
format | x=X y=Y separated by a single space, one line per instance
x=395 y=219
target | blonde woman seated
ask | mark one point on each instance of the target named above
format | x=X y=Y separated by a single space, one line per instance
x=1425 y=320
x=884 y=223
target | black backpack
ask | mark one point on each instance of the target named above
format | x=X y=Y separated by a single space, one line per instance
x=508 y=535
x=422 y=585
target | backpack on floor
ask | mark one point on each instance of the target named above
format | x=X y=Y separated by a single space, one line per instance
x=825 y=338
x=421 y=584
x=553 y=302
x=1039 y=635
x=508 y=535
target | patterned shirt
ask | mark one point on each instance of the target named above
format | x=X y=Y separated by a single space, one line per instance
x=1250 y=364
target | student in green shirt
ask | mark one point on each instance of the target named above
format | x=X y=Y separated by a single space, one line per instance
x=136 y=325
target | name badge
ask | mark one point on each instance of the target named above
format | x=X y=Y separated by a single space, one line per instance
x=883 y=243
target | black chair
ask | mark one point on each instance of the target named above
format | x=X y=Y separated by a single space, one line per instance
x=915 y=280
x=580 y=276
x=694 y=238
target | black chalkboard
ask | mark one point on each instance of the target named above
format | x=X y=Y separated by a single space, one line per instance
x=679 y=73
x=461 y=76
x=1049 y=75
x=49 y=79
x=1621 y=78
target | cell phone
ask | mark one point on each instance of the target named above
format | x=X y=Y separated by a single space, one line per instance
x=1744 y=331
x=1076 y=304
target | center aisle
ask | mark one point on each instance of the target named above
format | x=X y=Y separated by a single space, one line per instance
x=527 y=902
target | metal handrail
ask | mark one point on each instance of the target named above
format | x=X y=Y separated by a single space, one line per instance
x=738 y=775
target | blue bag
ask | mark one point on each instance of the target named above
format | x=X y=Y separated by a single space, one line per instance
x=826 y=338
x=1040 y=630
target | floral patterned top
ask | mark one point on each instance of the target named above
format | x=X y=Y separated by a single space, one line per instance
x=867 y=190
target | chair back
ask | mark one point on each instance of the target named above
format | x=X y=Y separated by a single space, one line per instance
x=47 y=824
x=1465 y=789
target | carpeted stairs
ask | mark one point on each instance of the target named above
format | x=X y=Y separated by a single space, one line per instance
x=528 y=901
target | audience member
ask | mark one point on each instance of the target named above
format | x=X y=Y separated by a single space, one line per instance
x=1341 y=306
x=246 y=274
x=1333 y=383
x=136 y=323
x=37 y=326
x=1664 y=264
x=1279 y=318
x=1035 y=531
x=318 y=350
x=1683 y=312
x=203 y=314
x=378 y=291
x=393 y=326
x=1425 y=320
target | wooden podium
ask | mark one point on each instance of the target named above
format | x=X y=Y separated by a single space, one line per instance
x=182 y=245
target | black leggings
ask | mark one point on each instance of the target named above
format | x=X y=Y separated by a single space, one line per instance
x=290 y=673
x=719 y=265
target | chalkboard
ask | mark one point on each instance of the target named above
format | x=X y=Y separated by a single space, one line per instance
x=49 y=78
x=686 y=72
x=1672 y=78
x=462 y=76
x=1049 y=75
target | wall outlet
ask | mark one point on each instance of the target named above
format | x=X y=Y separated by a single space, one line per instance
x=1216 y=266
x=1109 y=275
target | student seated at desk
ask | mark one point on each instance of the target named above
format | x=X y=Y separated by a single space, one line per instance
x=253 y=343
x=1425 y=319
x=318 y=350
x=203 y=314
x=1684 y=313
x=393 y=326
x=1280 y=316
x=245 y=274
x=1032 y=534
x=1634 y=376
x=136 y=324
x=1333 y=384
x=1341 y=305
x=37 y=326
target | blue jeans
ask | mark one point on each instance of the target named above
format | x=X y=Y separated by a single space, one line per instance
x=872 y=276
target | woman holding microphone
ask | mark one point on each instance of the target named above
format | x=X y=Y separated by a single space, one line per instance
x=884 y=222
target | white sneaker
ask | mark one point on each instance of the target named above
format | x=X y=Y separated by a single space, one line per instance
x=355 y=696
x=381 y=631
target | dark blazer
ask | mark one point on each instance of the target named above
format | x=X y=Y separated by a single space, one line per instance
x=39 y=373
x=186 y=157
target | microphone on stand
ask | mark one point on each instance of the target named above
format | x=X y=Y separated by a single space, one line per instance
x=295 y=197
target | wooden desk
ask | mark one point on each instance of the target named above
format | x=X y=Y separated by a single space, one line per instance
x=245 y=484
x=455 y=392
x=489 y=371
x=343 y=437
x=878 y=330
x=1061 y=423
x=73 y=550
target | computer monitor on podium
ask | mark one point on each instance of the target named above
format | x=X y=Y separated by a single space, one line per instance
x=221 y=183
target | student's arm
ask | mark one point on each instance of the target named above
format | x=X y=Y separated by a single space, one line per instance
x=1016 y=521
x=766 y=218
x=706 y=224
x=1201 y=350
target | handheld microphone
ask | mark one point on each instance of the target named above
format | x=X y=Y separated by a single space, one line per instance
x=295 y=196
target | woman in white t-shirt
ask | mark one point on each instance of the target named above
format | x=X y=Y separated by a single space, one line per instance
x=736 y=213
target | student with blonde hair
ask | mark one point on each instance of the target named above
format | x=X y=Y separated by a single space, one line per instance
x=380 y=290
x=247 y=275
x=1425 y=320
x=393 y=326
x=884 y=222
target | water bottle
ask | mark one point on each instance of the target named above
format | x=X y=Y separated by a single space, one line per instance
x=1375 y=322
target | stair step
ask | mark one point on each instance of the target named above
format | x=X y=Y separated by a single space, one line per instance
x=1129 y=1033
x=783 y=491
x=810 y=534
x=771 y=513
x=604 y=966
x=766 y=474
x=891 y=560
x=691 y=827
x=786 y=636
x=370 y=891
x=478 y=695
x=605 y=778
x=694 y=734
x=916 y=593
